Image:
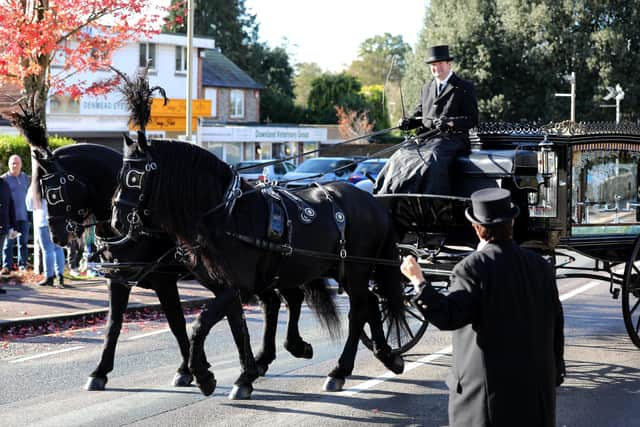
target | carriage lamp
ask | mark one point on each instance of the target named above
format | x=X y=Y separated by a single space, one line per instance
x=546 y=160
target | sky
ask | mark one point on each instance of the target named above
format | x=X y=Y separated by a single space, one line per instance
x=329 y=32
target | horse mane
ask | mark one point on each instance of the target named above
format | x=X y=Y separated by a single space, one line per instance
x=189 y=182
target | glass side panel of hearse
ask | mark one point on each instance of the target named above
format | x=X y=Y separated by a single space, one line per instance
x=604 y=193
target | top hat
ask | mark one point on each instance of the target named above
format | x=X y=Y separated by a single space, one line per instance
x=491 y=206
x=438 y=53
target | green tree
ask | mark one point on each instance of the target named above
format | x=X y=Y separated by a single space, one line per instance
x=226 y=21
x=380 y=58
x=517 y=52
x=306 y=73
x=334 y=90
x=376 y=106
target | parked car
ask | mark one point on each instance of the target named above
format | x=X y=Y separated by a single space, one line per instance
x=259 y=173
x=320 y=169
x=372 y=167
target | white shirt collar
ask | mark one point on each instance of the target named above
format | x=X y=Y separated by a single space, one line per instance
x=481 y=245
x=446 y=79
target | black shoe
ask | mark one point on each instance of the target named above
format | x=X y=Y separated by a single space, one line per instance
x=2 y=291
x=60 y=283
x=5 y=271
x=46 y=282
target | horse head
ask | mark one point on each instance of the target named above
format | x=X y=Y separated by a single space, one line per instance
x=129 y=198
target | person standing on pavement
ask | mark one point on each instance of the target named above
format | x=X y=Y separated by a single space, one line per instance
x=7 y=215
x=507 y=319
x=448 y=104
x=18 y=182
x=52 y=254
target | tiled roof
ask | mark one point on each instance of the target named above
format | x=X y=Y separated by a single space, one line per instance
x=219 y=71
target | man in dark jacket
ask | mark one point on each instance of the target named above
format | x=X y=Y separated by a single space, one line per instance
x=507 y=319
x=447 y=104
x=7 y=214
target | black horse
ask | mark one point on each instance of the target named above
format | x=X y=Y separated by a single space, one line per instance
x=77 y=182
x=333 y=230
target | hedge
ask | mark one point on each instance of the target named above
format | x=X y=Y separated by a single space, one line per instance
x=16 y=144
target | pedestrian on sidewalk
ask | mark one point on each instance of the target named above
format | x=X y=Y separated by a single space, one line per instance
x=18 y=182
x=507 y=323
x=52 y=254
x=7 y=214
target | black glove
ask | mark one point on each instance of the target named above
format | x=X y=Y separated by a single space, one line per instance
x=441 y=124
x=404 y=124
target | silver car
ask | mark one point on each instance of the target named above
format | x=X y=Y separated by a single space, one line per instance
x=253 y=171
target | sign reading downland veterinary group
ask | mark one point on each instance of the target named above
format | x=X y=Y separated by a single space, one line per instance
x=261 y=134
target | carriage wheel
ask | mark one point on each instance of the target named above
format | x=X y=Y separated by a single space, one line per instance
x=631 y=294
x=415 y=325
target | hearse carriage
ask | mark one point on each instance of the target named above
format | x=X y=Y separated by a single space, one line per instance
x=577 y=188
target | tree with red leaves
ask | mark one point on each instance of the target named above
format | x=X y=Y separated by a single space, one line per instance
x=78 y=35
x=352 y=124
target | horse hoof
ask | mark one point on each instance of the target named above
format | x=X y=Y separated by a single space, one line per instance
x=208 y=385
x=95 y=384
x=182 y=380
x=241 y=392
x=333 y=384
x=306 y=352
x=261 y=369
x=396 y=365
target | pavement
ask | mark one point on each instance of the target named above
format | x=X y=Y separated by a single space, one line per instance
x=27 y=304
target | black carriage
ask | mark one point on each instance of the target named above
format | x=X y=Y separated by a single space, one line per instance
x=577 y=187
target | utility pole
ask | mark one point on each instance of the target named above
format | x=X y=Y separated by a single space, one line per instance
x=571 y=78
x=616 y=93
x=189 y=96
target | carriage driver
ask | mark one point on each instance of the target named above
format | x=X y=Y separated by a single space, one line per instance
x=504 y=309
x=448 y=104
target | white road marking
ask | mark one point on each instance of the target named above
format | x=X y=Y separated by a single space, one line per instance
x=351 y=391
x=137 y=337
x=50 y=353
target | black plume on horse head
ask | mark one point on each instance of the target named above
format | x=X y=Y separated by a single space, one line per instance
x=28 y=120
x=139 y=96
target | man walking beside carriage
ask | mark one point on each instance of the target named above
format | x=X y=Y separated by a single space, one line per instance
x=507 y=319
x=448 y=108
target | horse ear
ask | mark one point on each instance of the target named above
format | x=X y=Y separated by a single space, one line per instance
x=129 y=145
x=43 y=157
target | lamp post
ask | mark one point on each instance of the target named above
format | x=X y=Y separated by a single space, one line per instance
x=189 y=130
x=616 y=93
x=571 y=78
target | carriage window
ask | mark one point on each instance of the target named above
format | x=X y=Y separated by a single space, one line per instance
x=147 y=52
x=181 y=59
x=605 y=191
x=237 y=103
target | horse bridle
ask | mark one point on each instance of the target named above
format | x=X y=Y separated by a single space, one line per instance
x=134 y=171
x=54 y=187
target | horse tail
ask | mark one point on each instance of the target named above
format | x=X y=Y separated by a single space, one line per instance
x=389 y=282
x=320 y=299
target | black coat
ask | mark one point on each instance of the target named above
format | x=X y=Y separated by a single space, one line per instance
x=7 y=210
x=508 y=337
x=456 y=103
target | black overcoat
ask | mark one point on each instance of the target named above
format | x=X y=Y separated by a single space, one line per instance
x=508 y=337
x=7 y=210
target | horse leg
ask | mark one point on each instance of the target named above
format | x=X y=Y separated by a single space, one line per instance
x=214 y=310
x=243 y=387
x=357 y=318
x=270 y=302
x=167 y=292
x=381 y=349
x=294 y=343
x=118 y=299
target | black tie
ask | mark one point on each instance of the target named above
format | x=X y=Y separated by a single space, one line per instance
x=440 y=87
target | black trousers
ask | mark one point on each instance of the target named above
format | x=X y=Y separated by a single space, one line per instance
x=423 y=168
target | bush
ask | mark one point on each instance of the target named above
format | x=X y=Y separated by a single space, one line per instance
x=16 y=144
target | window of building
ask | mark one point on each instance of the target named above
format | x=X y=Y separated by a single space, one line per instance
x=248 y=151
x=60 y=55
x=212 y=95
x=237 y=103
x=148 y=53
x=181 y=59
x=232 y=153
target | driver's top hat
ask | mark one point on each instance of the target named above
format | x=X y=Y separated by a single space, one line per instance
x=438 y=53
